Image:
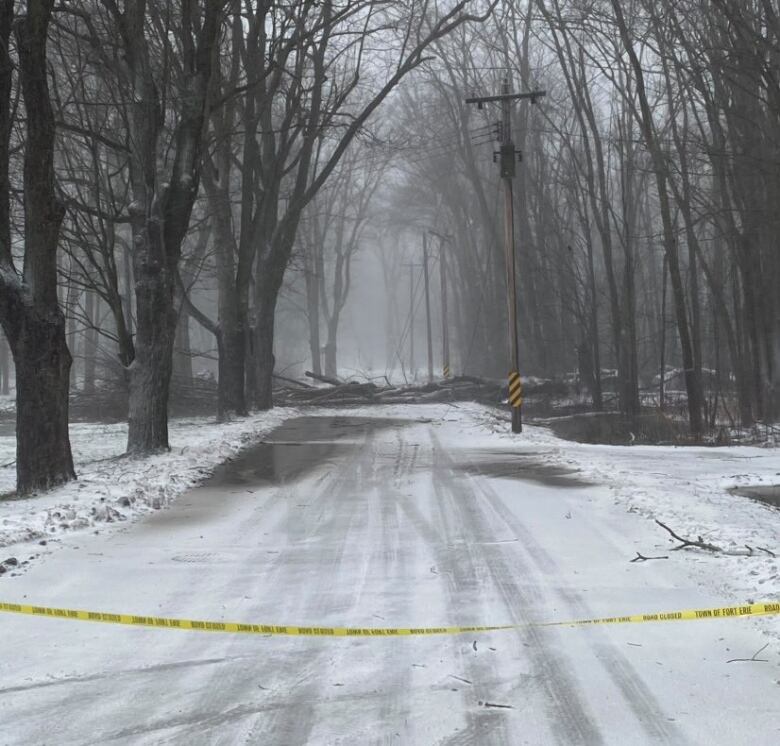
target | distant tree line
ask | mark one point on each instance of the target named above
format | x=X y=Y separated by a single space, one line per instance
x=646 y=201
x=164 y=165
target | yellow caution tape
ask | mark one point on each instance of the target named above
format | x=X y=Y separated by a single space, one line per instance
x=721 y=612
x=724 y=612
x=252 y=629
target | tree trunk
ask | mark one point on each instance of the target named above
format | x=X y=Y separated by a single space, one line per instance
x=232 y=355
x=71 y=301
x=233 y=311
x=150 y=372
x=264 y=359
x=662 y=363
x=91 y=306
x=5 y=366
x=331 y=366
x=313 y=268
x=598 y=399
x=269 y=276
x=182 y=360
x=43 y=455
x=29 y=310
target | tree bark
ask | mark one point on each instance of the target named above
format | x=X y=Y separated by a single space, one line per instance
x=232 y=355
x=331 y=365
x=43 y=455
x=150 y=372
x=232 y=300
x=313 y=268
x=29 y=309
x=5 y=366
x=182 y=360
x=91 y=307
x=263 y=347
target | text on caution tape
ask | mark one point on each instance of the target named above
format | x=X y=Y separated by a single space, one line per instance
x=723 y=612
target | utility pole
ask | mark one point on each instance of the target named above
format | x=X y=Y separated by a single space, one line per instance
x=428 y=308
x=445 y=332
x=506 y=156
x=411 y=266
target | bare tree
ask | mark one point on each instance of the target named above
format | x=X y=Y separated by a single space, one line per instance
x=158 y=62
x=29 y=308
x=332 y=230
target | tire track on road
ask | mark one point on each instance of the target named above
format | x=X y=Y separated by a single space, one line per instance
x=569 y=717
x=638 y=696
x=363 y=496
x=292 y=716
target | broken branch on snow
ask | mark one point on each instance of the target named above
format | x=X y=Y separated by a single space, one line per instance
x=641 y=558
x=753 y=658
x=699 y=543
x=684 y=543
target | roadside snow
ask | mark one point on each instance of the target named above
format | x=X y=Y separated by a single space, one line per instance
x=684 y=487
x=7 y=403
x=111 y=487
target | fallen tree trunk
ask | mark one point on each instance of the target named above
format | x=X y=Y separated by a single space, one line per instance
x=356 y=393
x=293 y=381
x=323 y=379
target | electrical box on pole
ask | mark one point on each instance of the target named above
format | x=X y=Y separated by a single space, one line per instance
x=507 y=160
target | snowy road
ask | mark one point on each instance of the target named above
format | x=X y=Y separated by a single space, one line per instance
x=380 y=522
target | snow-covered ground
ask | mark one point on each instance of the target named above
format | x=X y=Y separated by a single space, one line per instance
x=113 y=488
x=685 y=487
x=437 y=517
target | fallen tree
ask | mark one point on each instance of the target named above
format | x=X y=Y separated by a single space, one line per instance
x=355 y=393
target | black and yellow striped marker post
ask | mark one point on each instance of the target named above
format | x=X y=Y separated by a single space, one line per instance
x=515 y=390
x=446 y=370
x=516 y=401
x=714 y=613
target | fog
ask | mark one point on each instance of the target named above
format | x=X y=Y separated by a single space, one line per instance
x=607 y=219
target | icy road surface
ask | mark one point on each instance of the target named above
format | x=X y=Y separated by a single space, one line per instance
x=359 y=521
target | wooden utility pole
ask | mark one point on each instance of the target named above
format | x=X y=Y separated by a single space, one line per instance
x=507 y=165
x=411 y=266
x=428 y=308
x=507 y=156
x=445 y=332
x=411 y=321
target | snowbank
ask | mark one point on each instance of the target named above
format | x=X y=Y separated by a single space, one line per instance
x=113 y=488
x=7 y=404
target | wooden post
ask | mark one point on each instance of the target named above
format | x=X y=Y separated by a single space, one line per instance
x=411 y=321
x=428 y=308
x=445 y=332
